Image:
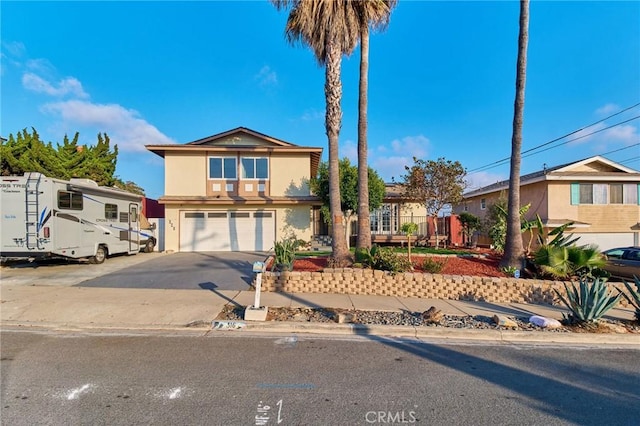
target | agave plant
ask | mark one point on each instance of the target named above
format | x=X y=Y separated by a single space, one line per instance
x=588 y=302
x=635 y=296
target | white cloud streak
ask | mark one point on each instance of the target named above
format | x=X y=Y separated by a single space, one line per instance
x=266 y=77
x=389 y=161
x=124 y=126
x=607 y=109
x=481 y=179
x=67 y=86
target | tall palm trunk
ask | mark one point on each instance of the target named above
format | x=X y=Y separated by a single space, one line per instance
x=333 y=122
x=364 y=220
x=514 y=249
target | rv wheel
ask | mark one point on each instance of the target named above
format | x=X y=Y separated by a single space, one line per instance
x=101 y=255
x=150 y=245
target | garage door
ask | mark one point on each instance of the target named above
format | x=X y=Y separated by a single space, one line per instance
x=227 y=231
x=605 y=241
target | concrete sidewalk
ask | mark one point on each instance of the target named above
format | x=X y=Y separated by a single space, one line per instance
x=62 y=307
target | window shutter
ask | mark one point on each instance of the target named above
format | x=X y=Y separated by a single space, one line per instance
x=575 y=194
x=639 y=194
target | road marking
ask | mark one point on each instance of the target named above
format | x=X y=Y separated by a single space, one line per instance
x=288 y=341
x=175 y=393
x=75 y=393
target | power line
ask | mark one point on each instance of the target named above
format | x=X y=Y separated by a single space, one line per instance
x=502 y=161
x=583 y=136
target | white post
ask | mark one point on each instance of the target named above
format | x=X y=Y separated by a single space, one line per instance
x=256 y=301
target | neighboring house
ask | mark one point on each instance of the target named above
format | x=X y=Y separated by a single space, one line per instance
x=386 y=221
x=239 y=190
x=600 y=196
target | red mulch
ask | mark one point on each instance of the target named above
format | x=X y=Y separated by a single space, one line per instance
x=486 y=266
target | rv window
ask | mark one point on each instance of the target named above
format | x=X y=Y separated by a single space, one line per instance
x=69 y=200
x=124 y=217
x=110 y=211
x=134 y=214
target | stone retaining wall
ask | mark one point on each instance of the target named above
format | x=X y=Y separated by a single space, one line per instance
x=419 y=285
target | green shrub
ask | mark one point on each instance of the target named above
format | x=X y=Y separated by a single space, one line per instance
x=285 y=252
x=589 y=301
x=432 y=266
x=365 y=255
x=635 y=296
x=385 y=259
x=509 y=270
x=569 y=261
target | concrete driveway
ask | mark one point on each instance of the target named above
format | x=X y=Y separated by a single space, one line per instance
x=192 y=271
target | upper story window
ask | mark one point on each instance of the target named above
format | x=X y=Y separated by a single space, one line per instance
x=604 y=193
x=223 y=168
x=483 y=203
x=255 y=168
x=69 y=200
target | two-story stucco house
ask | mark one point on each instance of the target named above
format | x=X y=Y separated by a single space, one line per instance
x=600 y=196
x=239 y=190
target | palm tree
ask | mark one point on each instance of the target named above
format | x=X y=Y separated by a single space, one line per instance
x=330 y=29
x=375 y=13
x=514 y=250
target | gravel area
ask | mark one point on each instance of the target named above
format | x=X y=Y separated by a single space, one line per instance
x=405 y=318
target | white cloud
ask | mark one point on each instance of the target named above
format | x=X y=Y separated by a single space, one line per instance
x=586 y=135
x=481 y=179
x=625 y=133
x=607 y=109
x=266 y=76
x=312 y=115
x=349 y=149
x=67 y=86
x=14 y=48
x=124 y=126
x=390 y=161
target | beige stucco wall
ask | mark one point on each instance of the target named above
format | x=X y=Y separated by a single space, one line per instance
x=294 y=221
x=171 y=230
x=185 y=174
x=289 y=174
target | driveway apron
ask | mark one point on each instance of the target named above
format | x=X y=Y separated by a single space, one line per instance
x=192 y=271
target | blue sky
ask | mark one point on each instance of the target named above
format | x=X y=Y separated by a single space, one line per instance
x=441 y=80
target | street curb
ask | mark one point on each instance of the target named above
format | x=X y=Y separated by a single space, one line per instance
x=433 y=334
x=447 y=333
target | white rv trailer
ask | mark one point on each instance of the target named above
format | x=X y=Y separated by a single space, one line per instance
x=46 y=217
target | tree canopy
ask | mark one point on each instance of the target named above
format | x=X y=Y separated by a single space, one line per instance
x=436 y=184
x=348 y=188
x=26 y=152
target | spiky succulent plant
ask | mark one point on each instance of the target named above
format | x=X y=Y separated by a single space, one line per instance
x=635 y=295
x=588 y=301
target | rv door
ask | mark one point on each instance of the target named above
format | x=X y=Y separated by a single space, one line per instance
x=134 y=229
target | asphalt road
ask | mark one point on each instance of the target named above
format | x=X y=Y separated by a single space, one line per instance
x=224 y=380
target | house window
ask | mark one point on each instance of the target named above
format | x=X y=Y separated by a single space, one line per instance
x=69 y=200
x=110 y=211
x=255 y=168
x=602 y=193
x=630 y=193
x=384 y=220
x=222 y=168
x=483 y=204
x=616 y=193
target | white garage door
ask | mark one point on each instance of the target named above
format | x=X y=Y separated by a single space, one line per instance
x=227 y=231
x=605 y=241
